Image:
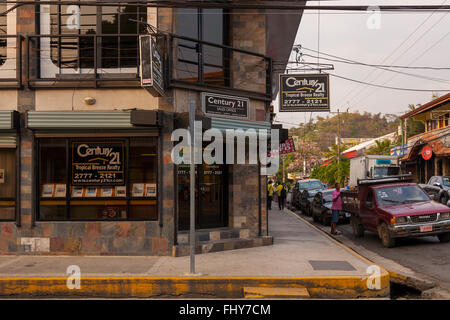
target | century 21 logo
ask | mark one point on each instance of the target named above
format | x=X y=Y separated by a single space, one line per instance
x=294 y=82
x=83 y=150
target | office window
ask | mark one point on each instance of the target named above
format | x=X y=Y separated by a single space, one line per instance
x=7 y=184
x=3 y=31
x=97 y=179
x=116 y=48
x=195 y=59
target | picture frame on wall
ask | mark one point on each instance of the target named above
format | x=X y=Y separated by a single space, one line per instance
x=138 y=190
x=47 y=190
x=107 y=192
x=121 y=191
x=91 y=192
x=77 y=192
x=60 y=191
x=150 y=189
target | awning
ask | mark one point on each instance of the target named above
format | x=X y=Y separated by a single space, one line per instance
x=8 y=119
x=8 y=140
x=223 y=124
x=126 y=119
x=438 y=140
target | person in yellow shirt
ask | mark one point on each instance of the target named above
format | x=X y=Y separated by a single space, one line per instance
x=281 y=194
x=270 y=191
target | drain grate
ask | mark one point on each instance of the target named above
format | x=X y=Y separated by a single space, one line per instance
x=331 y=265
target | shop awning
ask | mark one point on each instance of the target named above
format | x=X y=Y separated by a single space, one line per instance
x=223 y=124
x=8 y=119
x=88 y=119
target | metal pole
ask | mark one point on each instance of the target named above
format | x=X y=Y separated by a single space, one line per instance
x=192 y=186
x=339 y=145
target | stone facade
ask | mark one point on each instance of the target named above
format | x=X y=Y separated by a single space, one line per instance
x=247 y=218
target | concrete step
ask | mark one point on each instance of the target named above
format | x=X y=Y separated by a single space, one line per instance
x=275 y=292
x=183 y=249
x=214 y=234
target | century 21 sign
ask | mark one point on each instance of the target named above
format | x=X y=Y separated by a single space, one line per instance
x=304 y=92
x=98 y=163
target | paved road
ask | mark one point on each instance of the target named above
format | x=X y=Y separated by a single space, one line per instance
x=425 y=255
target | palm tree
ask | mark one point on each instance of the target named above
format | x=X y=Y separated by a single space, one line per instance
x=381 y=148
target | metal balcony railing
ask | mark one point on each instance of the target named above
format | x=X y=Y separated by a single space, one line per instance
x=10 y=61
x=112 y=60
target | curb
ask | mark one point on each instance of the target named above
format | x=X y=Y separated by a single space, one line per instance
x=417 y=283
x=338 y=287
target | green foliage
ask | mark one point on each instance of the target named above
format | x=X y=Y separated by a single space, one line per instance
x=333 y=172
x=381 y=147
x=413 y=127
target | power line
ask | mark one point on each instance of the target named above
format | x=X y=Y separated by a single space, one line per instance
x=394 y=51
x=386 y=69
x=405 y=51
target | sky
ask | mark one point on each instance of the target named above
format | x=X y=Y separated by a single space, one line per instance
x=406 y=39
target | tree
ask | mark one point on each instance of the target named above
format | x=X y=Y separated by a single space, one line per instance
x=381 y=147
x=413 y=127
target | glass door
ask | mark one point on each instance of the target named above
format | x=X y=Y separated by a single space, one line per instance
x=210 y=196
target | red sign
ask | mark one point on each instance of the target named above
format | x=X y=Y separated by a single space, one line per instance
x=427 y=153
x=286 y=147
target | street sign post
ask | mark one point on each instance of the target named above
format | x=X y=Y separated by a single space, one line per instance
x=304 y=93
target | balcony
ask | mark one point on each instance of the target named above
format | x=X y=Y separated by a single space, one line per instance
x=112 y=60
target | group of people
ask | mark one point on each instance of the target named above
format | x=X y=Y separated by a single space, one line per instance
x=281 y=192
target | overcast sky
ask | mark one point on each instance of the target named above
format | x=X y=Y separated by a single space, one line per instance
x=409 y=39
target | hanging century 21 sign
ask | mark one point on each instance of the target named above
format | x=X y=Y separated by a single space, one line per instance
x=97 y=163
x=304 y=93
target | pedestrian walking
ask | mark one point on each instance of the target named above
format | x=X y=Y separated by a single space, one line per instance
x=336 y=207
x=279 y=189
x=270 y=191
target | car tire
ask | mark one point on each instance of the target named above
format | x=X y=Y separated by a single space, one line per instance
x=444 y=237
x=357 y=227
x=315 y=218
x=385 y=237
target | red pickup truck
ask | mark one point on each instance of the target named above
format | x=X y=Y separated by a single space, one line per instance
x=395 y=208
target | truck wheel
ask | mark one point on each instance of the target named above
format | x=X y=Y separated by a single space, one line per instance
x=358 y=229
x=385 y=236
x=444 y=237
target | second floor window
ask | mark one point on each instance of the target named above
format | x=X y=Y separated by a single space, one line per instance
x=83 y=34
x=3 y=31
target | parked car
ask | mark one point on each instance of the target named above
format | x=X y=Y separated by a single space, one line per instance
x=395 y=208
x=321 y=208
x=438 y=188
x=304 y=192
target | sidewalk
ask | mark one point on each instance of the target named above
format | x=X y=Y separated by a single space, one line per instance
x=301 y=256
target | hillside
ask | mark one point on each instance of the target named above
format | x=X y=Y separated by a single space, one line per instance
x=353 y=125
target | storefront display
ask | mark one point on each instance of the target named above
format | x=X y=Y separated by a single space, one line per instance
x=7 y=184
x=97 y=179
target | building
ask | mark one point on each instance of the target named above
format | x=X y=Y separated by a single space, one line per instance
x=85 y=151
x=427 y=153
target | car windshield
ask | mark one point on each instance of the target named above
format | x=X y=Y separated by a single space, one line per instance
x=400 y=195
x=385 y=171
x=310 y=185
x=327 y=196
x=446 y=181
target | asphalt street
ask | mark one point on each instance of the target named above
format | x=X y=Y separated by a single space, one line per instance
x=425 y=255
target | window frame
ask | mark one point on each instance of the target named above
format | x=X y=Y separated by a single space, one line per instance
x=198 y=47
x=15 y=198
x=128 y=198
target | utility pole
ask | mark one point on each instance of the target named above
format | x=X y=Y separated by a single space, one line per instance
x=339 y=141
x=192 y=187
